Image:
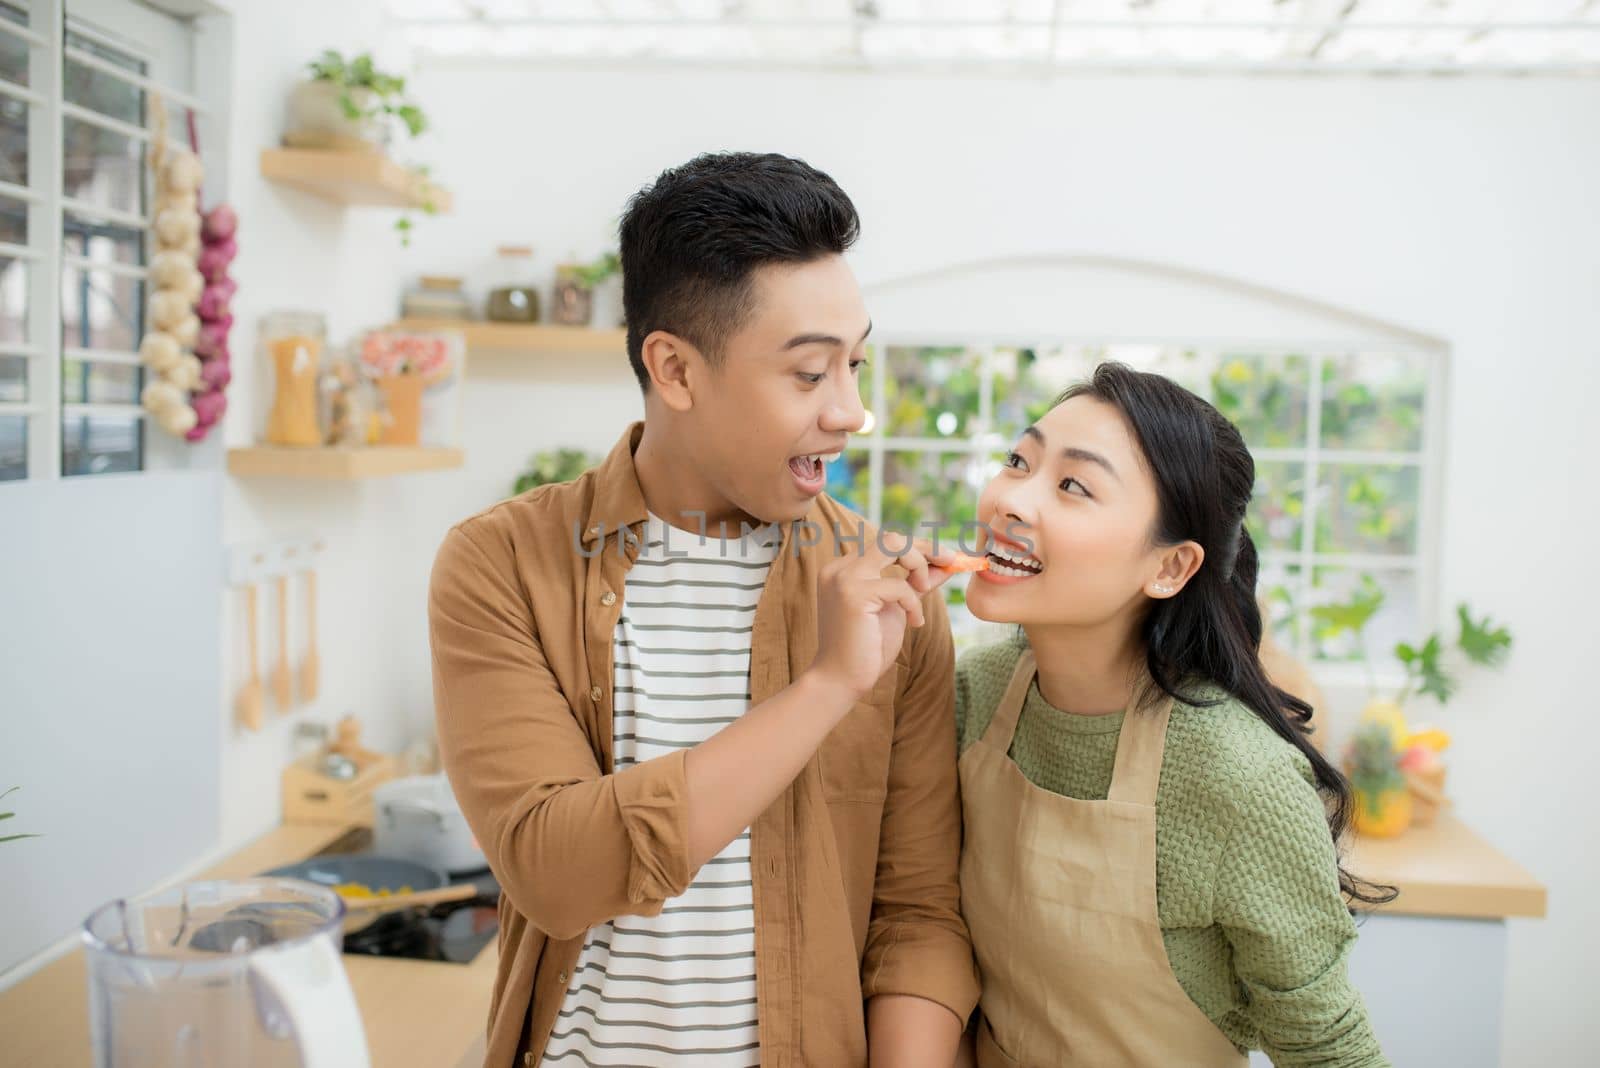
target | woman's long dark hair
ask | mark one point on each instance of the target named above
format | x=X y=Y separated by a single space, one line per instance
x=1211 y=630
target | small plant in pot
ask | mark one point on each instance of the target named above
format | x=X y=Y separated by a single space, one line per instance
x=575 y=286
x=349 y=104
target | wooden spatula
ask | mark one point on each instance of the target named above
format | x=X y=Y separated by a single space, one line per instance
x=282 y=690
x=311 y=666
x=250 y=699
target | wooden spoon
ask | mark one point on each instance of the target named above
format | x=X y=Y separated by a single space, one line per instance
x=282 y=690
x=311 y=666
x=386 y=902
x=249 y=702
x=361 y=911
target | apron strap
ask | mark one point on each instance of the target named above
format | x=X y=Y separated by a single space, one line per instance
x=1006 y=713
x=1140 y=747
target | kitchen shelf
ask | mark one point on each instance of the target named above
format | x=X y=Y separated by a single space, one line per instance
x=373 y=461
x=526 y=337
x=352 y=177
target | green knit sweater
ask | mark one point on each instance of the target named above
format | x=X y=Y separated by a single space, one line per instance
x=1246 y=880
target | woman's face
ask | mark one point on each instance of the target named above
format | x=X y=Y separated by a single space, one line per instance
x=1068 y=525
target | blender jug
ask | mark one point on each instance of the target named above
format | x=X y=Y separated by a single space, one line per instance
x=223 y=974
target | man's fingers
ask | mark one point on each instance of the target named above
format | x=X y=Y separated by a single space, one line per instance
x=887 y=591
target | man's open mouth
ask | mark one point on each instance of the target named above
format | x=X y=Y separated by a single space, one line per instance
x=808 y=468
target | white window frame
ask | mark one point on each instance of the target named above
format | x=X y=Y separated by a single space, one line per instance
x=982 y=440
x=44 y=252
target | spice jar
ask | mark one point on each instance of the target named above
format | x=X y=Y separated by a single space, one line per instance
x=514 y=299
x=293 y=343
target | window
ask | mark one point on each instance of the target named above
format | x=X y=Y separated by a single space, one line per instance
x=1345 y=444
x=75 y=190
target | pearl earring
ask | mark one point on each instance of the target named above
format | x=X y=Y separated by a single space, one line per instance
x=1160 y=588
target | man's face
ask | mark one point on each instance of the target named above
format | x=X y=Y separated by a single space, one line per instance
x=786 y=392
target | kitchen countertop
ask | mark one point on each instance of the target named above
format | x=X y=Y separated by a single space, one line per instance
x=1447 y=870
x=426 y=1014
x=417 y=1014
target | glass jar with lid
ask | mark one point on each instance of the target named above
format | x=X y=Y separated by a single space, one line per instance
x=514 y=298
x=293 y=343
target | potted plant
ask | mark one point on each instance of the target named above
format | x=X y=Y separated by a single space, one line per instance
x=575 y=286
x=402 y=365
x=1429 y=669
x=349 y=104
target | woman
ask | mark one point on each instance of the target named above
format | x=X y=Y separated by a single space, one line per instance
x=1149 y=869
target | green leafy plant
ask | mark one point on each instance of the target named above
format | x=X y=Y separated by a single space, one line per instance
x=9 y=815
x=556 y=465
x=589 y=275
x=1426 y=666
x=382 y=95
x=387 y=91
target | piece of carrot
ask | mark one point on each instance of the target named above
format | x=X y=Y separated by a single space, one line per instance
x=963 y=562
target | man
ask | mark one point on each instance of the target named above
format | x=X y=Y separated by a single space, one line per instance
x=715 y=776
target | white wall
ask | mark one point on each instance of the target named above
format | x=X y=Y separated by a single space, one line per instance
x=1461 y=208
x=296 y=251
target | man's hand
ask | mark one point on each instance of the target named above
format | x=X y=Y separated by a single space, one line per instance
x=861 y=614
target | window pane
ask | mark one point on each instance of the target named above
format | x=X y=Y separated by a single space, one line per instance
x=13 y=221
x=1398 y=618
x=100 y=444
x=1367 y=509
x=102 y=167
x=102 y=241
x=13 y=379
x=1277 y=512
x=93 y=382
x=13 y=141
x=13 y=300
x=101 y=310
x=13 y=50
x=1281 y=594
x=847 y=480
x=1264 y=396
x=97 y=91
x=1027 y=382
x=931 y=487
x=13 y=447
x=931 y=392
x=1372 y=401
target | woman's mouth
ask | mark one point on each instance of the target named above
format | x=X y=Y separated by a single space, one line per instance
x=810 y=471
x=1008 y=565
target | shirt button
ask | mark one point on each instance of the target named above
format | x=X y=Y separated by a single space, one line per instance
x=562 y=976
x=595 y=693
x=527 y=1058
x=608 y=598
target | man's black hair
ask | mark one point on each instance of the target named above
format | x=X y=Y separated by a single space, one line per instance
x=692 y=240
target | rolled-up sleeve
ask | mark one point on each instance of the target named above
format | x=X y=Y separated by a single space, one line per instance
x=571 y=847
x=917 y=943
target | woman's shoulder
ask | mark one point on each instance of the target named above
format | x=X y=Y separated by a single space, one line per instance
x=1241 y=754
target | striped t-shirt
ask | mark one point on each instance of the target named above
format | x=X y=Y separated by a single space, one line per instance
x=678 y=988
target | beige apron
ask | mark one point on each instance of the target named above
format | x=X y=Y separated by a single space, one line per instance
x=1060 y=896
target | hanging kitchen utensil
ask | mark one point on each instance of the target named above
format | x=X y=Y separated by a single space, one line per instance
x=250 y=699
x=311 y=666
x=282 y=690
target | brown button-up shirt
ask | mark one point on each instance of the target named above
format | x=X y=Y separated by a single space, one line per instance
x=855 y=864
